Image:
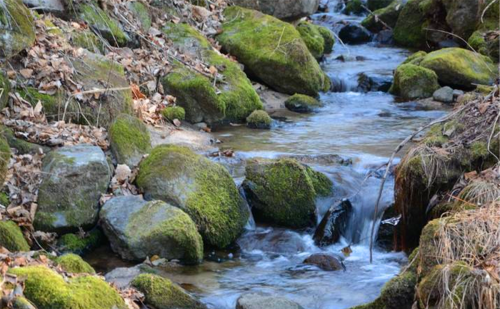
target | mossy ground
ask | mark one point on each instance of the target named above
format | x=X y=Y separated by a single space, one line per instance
x=174 y=112
x=210 y=196
x=129 y=139
x=48 y=290
x=73 y=263
x=11 y=237
x=163 y=294
x=272 y=50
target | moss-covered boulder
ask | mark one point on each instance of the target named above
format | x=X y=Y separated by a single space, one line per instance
x=272 y=51
x=73 y=263
x=354 y=7
x=138 y=229
x=4 y=90
x=17 y=28
x=259 y=120
x=409 y=30
x=460 y=68
x=4 y=159
x=463 y=16
x=74 y=179
x=48 y=290
x=200 y=187
x=415 y=58
x=171 y=113
x=129 y=139
x=388 y=15
x=374 y=5
x=164 y=294
x=414 y=82
x=300 y=103
x=319 y=40
x=288 y=10
x=94 y=71
x=284 y=191
x=11 y=237
x=100 y=21
x=79 y=244
x=229 y=97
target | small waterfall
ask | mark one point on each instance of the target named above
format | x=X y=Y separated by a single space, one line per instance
x=251 y=221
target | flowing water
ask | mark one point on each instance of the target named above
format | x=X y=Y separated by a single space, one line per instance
x=362 y=128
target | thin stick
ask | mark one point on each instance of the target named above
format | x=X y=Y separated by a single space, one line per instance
x=388 y=168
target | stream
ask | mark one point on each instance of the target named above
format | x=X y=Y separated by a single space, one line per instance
x=361 y=128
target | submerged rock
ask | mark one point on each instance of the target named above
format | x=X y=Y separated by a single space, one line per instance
x=11 y=237
x=288 y=10
x=83 y=292
x=460 y=68
x=74 y=179
x=17 y=28
x=301 y=103
x=129 y=139
x=231 y=99
x=164 y=294
x=273 y=51
x=200 y=187
x=137 y=229
x=334 y=224
x=354 y=34
x=324 y=261
x=276 y=241
x=284 y=191
x=444 y=94
x=414 y=82
x=262 y=301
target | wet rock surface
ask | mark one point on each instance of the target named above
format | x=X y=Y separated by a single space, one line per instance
x=334 y=224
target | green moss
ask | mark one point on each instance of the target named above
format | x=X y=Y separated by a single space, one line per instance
x=88 y=40
x=414 y=82
x=313 y=38
x=51 y=28
x=271 y=50
x=52 y=105
x=4 y=159
x=428 y=250
x=140 y=11
x=4 y=199
x=11 y=237
x=4 y=90
x=16 y=28
x=302 y=103
x=415 y=58
x=178 y=230
x=435 y=137
x=203 y=189
x=484 y=90
x=283 y=192
x=109 y=28
x=233 y=98
x=22 y=146
x=174 y=112
x=48 y=290
x=129 y=139
x=76 y=244
x=322 y=184
x=460 y=68
x=409 y=30
x=327 y=37
x=478 y=43
x=22 y=303
x=259 y=120
x=163 y=294
x=73 y=263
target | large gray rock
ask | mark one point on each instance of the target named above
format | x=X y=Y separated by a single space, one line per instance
x=463 y=16
x=288 y=10
x=324 y=261
x=55 y=7
x=17 y=28
x=261 y=301
x=74 y=177
x=444 y=94
x=137 y=229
